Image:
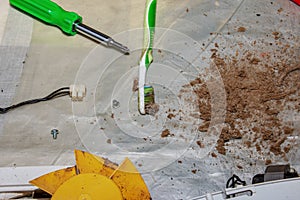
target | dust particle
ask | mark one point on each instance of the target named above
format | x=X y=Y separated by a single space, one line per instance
x=151 y=108
x=204 y=127
x=287 y=148
x=239 y=167
x=170 y=116
x=135 y=85
x=276 y=147
x=255 y=61
x=268 y=162
x=241 y=29
x=220 y=147
x=247 y=143
x=213 y=155
x=200 y=144
x=276 y=35
x=165 y=133
x=288 y=130
x=258 y=148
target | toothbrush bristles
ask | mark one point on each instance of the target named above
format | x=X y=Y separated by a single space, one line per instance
x=151 y=108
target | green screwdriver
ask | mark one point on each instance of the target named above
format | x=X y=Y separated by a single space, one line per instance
x=69 y=22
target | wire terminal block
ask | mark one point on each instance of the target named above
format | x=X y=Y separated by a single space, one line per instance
x=77 y=92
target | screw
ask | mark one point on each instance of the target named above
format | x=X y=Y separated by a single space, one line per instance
x=54 y=133
x=115 y=104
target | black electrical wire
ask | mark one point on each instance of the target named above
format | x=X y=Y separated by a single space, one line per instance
x=234 y=181
x=64 y=91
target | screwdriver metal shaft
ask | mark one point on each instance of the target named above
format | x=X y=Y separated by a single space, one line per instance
x=103 y=38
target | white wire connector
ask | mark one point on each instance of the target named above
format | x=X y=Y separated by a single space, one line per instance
x=77 y=92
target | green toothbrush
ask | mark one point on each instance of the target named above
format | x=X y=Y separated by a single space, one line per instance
x=146 y=93
x=69 y=22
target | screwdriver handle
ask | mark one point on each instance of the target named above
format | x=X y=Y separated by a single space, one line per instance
x=49 y=12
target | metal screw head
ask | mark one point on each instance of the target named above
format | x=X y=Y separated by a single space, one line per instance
x=115 y=104
x=54 y=133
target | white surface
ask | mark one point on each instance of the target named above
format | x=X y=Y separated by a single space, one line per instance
x=287 y=189
x=54 y=60
x=3 y=15
x=13 y=48
x=13 y=179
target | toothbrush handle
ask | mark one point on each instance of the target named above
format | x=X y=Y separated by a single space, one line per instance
x=149 y=30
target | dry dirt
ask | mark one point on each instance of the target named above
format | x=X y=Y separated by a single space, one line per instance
x=258 y=91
